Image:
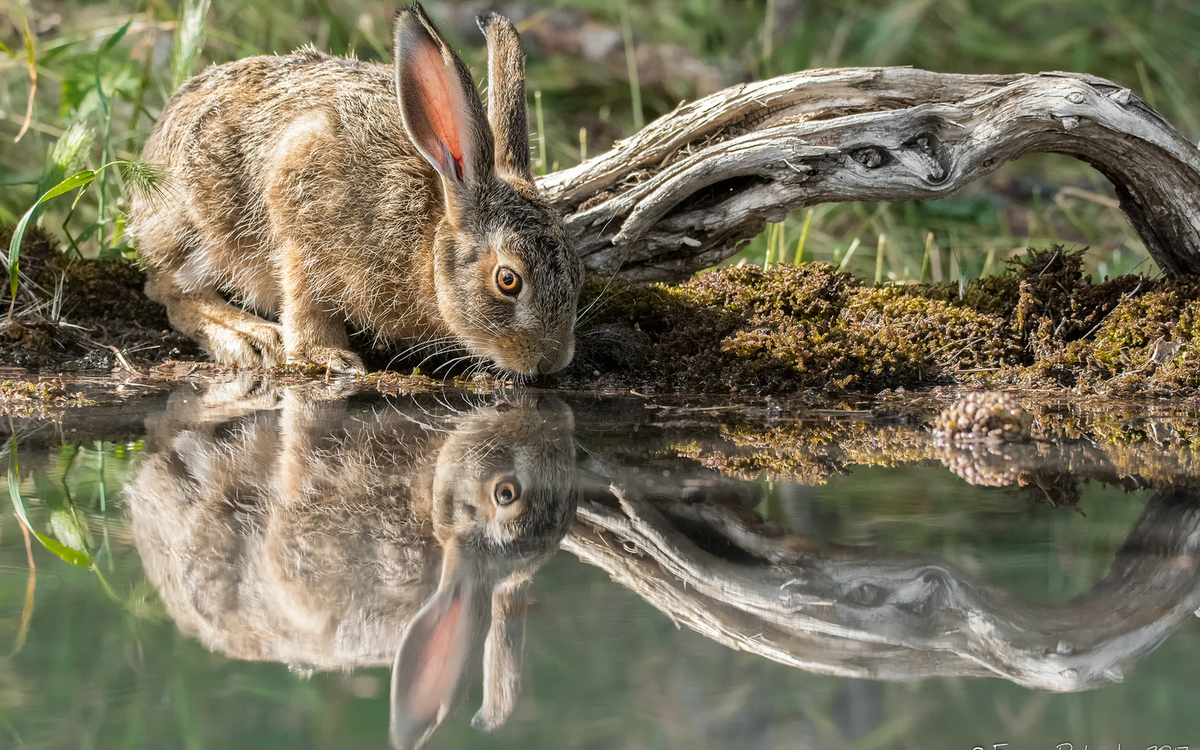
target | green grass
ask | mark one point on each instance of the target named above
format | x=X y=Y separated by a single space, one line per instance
x=104 y=69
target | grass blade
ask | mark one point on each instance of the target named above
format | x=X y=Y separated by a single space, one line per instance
x=73 y=556
x=189 y=39
x=31 y=61
x=635 y=87
x=849 y=253
x=799 y=257
x=879 y=259
x=79 y=179
x=112 y=40
x=543 y=168
x=925 y=261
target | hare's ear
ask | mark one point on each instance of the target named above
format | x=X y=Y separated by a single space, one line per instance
x=440 y=107
x=432 y=657
x=502 y=656
x=506 y=97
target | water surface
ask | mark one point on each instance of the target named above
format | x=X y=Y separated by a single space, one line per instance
x=303 y=567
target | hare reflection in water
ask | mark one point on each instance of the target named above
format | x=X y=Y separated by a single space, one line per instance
x=285 y=528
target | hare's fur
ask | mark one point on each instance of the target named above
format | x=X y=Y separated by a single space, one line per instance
x=296 y=187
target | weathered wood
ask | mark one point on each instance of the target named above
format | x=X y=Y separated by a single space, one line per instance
x=862 y=612
x=688 y=189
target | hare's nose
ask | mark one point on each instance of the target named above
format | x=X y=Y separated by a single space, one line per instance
x=555 y=360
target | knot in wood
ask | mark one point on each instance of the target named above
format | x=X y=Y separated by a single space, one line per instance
x=871 y=157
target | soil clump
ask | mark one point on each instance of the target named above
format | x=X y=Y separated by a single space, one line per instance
x=78 y=315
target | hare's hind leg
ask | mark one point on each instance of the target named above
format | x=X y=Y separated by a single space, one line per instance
x=230 y=335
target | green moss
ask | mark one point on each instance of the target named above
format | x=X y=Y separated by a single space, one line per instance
x=1041 y=324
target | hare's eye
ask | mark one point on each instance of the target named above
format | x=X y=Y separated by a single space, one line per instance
x=507 y=491
x=508 y=281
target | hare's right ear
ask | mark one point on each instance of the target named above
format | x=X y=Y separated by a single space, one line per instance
x=433 y=655
x=507 y=110
x=441 y=108
x=502 y=655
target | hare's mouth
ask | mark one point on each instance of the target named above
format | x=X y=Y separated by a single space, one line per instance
x=477 y=357
x=535 y=361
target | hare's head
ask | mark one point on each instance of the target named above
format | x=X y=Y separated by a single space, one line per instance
x=506 y=273
x=503 y=496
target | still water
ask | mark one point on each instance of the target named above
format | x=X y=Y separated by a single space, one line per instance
x=251 y=566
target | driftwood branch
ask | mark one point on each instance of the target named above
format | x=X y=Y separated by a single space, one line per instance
x=685 y=191
x=862 y=612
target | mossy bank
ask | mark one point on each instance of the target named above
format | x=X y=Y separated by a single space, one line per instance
x=1041 y=324
x=83 y=315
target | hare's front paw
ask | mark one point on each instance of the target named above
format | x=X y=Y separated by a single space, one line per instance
x=329 y=357
x=244 y=340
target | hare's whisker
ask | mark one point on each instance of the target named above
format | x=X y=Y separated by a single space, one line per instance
x=450 y=363
x=595 y=307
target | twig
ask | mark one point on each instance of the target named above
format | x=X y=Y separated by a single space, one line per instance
x=124 y=362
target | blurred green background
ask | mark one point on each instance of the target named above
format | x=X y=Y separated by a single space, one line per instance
x=599 y=68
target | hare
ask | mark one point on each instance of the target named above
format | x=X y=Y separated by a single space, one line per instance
x=330 y=537
x=329 y=192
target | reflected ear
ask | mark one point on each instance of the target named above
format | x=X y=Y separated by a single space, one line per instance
x=502 y=656
x=440 y=107
x=432 y=657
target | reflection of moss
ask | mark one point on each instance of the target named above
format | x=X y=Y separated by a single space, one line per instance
x=1073 y=443
x=29 y=398
x=812 y=452
x=1040 y=324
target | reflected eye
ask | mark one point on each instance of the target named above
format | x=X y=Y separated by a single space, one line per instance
x=508 y=281
x=507 y=491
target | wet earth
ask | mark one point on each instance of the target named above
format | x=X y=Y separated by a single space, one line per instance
x=240 y=561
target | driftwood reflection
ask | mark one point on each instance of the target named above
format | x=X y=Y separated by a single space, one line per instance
x=295 y=527
x=709 y=562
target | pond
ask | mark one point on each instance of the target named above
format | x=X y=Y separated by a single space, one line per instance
x=245 y=564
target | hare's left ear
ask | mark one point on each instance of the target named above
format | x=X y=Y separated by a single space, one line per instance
x=506 y=97
x=433 y=655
